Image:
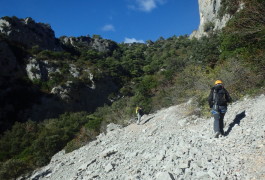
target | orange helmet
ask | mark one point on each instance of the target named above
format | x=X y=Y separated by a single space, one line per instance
x=218 y=82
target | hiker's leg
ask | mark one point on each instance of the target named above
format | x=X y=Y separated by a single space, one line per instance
x=216 y=125
x=139 y=118
x=222 y=112
x=221 y=123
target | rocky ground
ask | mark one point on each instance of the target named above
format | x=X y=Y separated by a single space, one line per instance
x=170 y=145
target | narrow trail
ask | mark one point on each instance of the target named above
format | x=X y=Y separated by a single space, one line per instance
x=170 y=145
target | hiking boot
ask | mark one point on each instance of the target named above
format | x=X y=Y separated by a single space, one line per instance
x=217 y=135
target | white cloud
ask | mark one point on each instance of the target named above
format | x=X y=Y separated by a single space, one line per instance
x=132 y=40
x=108 y=27
x=146 y=5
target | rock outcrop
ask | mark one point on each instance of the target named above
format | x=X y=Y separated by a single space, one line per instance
x=40 y=69
x=73 y=97
x=72 y=86
x=28 y=32
x=168 y=145
x=210 y=21
x=96 y=43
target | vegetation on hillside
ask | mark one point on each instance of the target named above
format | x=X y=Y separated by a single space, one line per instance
x=152 y=75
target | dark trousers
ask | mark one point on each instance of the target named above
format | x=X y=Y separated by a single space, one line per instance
x=219 y=119
x=219 y=122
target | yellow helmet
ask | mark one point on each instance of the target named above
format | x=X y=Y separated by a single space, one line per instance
x=218 y=82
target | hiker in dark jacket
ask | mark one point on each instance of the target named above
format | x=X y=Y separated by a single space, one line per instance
x=139 y=113
x=218 y=99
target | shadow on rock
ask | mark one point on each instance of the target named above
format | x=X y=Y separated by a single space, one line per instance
x=148 y=120
x=237 y=120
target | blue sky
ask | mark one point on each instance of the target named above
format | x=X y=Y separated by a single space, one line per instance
x=118 y=20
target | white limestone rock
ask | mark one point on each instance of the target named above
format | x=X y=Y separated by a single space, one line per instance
x=164 y=176
x=128 y=153
x=208 y=10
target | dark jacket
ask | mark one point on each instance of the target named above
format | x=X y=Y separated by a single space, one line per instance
x=222 y=96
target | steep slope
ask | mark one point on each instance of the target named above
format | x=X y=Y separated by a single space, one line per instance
x=171 y=145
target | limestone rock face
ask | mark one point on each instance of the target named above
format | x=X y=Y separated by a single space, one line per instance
x=81 y=93
x=209 y=20
x=64 y=91
x=28 y=32
x=73 y=96
x=40 y=70
x=101 y=45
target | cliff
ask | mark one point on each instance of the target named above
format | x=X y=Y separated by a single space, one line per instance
x=211 y=19
x=28 y=32
x=38 y=82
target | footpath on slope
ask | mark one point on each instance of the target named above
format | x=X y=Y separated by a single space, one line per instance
x=170 y=145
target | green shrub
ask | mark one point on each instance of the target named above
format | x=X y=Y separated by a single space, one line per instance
x=93 y=123
x=13 y=168
x=72 y=145
x=86 y=134
x=209 y=26
x=53 y=55
x=238 y=77
x=228 y=7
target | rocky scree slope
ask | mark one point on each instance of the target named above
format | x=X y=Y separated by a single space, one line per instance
x=171 y=145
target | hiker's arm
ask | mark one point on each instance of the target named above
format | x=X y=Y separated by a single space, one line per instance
x=228 y=97
x=210 y=99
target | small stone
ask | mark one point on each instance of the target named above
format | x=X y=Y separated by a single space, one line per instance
x=184 y=164
x=109 y=167
x=164 y=176
x=108 y=152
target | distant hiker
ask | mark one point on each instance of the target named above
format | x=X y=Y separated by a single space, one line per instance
x=218 y=99
x=139 y=113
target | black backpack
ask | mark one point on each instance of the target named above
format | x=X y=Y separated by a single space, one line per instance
x=218 y=98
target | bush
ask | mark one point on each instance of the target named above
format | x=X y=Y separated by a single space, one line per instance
x=53 y=55
x=228 y=7
x=206 y=51
x=13 y=168
x=243 y=36
x=238 y=77
x=34 y=144
x=86 y=134
x=17 y=139
x=209 y=26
